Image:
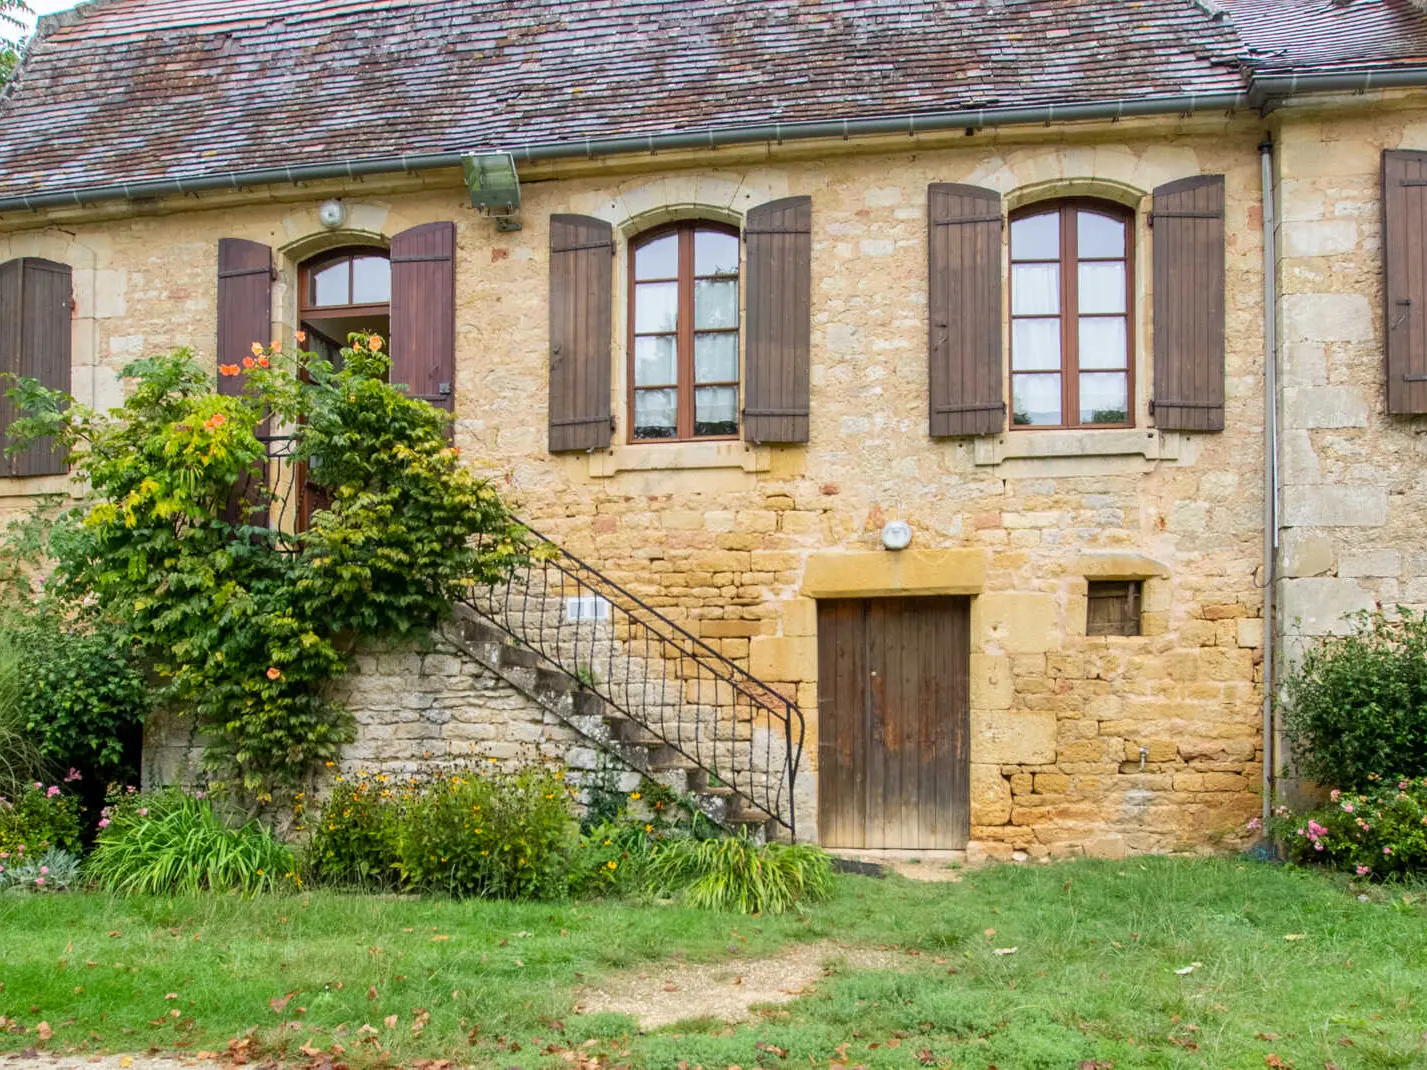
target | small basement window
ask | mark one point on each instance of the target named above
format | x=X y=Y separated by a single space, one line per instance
x=1113 y=607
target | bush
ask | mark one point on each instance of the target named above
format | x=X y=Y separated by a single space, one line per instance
x=736 y=874
x=38 y=819
x=496 y=834
x=20 y=758
x=53 y=871
x=1356 y=709
x=355 y=841
x=1381 y=833
x=169 y=842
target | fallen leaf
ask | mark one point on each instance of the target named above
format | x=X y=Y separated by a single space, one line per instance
x=1265 y=1036
x=1295 y=936
x=126 y=1060
x=1271 y=1059
x=1188 y=969
x=1005 y=950
x=440 y=936
x=372 y=992
x=43 y=1031
x=925 y=1056
x=279 y=1003
x=171 y=995
x=389 y=1021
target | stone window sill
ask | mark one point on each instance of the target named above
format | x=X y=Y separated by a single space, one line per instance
x=668 y=456
x=1148 y=443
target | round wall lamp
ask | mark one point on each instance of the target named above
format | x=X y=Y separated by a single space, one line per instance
x=896 y=535
x=332 y=214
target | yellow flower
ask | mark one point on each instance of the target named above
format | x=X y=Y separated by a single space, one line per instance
x=634 y=795
x=257 y=349
x=612 y=864
x=648 y=828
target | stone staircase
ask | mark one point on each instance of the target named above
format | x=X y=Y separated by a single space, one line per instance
x=639 y=688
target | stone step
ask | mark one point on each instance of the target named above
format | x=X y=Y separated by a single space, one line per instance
x=513 y=656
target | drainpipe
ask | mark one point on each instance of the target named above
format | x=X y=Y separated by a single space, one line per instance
x=1270 y=467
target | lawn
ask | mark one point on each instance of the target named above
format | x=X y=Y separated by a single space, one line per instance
x=1288 y=969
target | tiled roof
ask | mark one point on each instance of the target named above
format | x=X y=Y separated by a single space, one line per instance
x=1323 y=34
x=131 y=90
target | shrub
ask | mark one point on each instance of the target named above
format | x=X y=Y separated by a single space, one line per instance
x=38 y=819
x=169 y=842
x=1380 y=833
x=1356 y=708
x=355 y=841
x=736 y=874
x=20 y=758
x=53 y=871
x=495 y=834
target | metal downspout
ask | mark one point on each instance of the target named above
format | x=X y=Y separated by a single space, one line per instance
x=1270 y=468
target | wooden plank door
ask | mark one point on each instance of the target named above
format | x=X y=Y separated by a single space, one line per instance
x=894 y=715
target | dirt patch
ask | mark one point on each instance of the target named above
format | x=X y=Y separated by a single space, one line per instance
x=674 y=991
x=52 y=1061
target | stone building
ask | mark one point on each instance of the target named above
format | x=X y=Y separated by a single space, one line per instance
x=782 y=287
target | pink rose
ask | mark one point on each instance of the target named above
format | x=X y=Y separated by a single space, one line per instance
x=1387 y=850
x=104 y=822
x=1334 y=795
x=52 y=792
x=144 y=811
x=1363 y=871
x=40 y=881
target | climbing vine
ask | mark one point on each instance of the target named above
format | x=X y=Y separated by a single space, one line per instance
x=186 y=535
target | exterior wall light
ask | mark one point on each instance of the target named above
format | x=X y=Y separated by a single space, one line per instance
x=332 y=214
x=896 y=535
x=494 y=187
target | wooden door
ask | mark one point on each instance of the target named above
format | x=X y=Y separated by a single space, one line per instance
x=894 y=715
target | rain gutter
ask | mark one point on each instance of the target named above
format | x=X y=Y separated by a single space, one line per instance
x=1270 y=469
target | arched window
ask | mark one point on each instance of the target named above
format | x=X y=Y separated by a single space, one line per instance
x=1072 y=296
x=683 y=345
x=343 y=291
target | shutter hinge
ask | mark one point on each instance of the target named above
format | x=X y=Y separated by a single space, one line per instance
x=968 y=219
x=586 y=245
x=1412 y=182
x=1185 y=404
x=775 y=412
x=421 y=259
x=234 y=273
x=749 y=233
x=943 y=410
x=584 y=422
x=1414 y=378
x=1403 y=303
x=1184 y=215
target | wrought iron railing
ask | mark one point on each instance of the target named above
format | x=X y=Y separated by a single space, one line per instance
x=653 y=672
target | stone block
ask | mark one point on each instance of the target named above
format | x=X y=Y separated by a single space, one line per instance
x=990 y=796
x=1305 y=554
x=777 y=657
x=1249 y=632
x=1111 y=846
x=1320 y=606
x=800 y=616
x=1051 y=783
x=992 y=687
x=1119 y=565
x=1016 y=623
x=1319 y=237
x=1005 y=737
x=1334 y=505
x=1324 y=406
x=1370 y=563
x=1327 y=317
x=870 y=574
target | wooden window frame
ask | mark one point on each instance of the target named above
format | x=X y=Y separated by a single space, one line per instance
x=305 y=271
x=684 y=334
x=1131 y=620
x=1070 y=311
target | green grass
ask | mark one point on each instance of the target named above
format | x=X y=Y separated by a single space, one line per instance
x=1093 y=977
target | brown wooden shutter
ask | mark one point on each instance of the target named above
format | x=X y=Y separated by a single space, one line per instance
x=581 y=306
x=36 y=299
x=1188 y=225
x=423 y=312
x=966 y=381
x=245 y=304
x=1404 y=267
x=779 y=283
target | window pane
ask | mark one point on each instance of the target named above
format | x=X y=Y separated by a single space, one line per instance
x=1102 y=287
x=715 y=253
x=1035 y=400
x=715 y=304
x=1103 y=398
x=715 y=358
x=656 y=307
x=655 y=361
x=1036 y=237
x=371 y=280
x=658 y=259
x=654 y=413
x=1035 y=289
x=1035 y=345
x=329 y=286
x=1102 y=342
x=1098 y=235
x=716 y=410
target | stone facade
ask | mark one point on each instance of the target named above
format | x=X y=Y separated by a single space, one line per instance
x=1094 y=744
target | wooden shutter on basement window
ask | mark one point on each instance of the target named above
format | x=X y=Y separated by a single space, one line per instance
x=423 y=312
x=581 y=306
x=1188 y=238
x=245 y=304
x=1404 y=268
x=36 y=299
x=965 y=376
x=779 y=236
